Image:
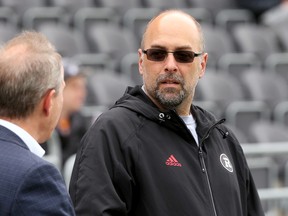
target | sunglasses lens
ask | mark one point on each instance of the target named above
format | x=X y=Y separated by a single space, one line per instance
x=184 y=56
x=156 y=54
x=181 y=56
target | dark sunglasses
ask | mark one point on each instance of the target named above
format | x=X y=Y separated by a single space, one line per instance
x=181 y=56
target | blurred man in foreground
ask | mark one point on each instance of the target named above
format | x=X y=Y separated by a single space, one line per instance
x=31 y=98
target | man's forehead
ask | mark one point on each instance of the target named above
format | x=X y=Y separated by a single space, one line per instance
x=174 y=17
x=172 y=22
x=175 y=29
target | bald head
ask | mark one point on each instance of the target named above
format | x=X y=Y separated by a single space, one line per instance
x=174 y=22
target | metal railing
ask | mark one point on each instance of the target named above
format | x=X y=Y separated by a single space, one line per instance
x=274 y=198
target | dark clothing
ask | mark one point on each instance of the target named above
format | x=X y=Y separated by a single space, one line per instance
x=258 y=7
x=70 y=142
x=29 y=185
x=136 y=160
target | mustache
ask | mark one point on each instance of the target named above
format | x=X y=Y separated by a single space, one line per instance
x=172 y=77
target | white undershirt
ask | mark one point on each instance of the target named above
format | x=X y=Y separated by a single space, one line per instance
x=31 y=143
x=191 y=124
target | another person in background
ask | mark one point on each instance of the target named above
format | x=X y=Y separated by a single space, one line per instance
x=277 y=16
x=31 y=98
x=258 y=7
x=154 y=152
x=72 y=124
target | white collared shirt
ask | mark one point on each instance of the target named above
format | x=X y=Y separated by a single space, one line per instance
x=32 y=144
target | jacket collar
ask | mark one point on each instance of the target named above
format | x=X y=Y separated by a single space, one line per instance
x=137 y=101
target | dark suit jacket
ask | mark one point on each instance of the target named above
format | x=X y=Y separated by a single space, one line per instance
x=28 y=184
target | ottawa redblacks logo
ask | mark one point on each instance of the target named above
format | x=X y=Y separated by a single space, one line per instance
x=226 y=162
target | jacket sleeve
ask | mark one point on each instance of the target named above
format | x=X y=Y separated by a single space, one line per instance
x=101 y=182
x=43 y=192
x=250 y=199
x=253 y=200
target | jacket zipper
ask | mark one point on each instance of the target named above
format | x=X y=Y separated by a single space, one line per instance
x=202 y=161
x=203 y=165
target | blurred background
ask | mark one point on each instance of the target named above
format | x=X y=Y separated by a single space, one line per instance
x=246 y=81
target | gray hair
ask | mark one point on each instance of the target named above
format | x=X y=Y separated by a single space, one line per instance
x=170 y=11
x=29 y=67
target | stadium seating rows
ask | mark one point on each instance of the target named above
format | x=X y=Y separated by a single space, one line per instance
x=246 y=81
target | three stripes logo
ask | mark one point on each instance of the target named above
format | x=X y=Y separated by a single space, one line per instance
x=172 y=161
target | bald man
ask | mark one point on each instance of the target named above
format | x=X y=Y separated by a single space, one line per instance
x=154 y=152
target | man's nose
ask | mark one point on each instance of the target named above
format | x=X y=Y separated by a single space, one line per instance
x=171 y=63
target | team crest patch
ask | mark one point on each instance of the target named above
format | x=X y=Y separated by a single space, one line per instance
x=226 y=162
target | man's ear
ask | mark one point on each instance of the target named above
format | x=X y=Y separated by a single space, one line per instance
x=48 y=101
x=203 y=64
x=140 y=61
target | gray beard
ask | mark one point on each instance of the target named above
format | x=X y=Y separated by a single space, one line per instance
x=169 y=102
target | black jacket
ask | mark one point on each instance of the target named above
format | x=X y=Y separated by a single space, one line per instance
x=136 y=160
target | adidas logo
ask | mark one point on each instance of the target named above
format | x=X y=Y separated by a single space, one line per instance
x=172 y=161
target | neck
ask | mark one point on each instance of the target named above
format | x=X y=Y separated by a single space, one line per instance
x=184 y=109
x=183 y=112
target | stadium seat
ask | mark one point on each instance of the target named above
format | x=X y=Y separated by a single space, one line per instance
x=217 y=43
x=166 y=4
x=229 y=95
x=19 y=7
x=202 y=15
x=253 y=38
x=276 y=17
x=264 y=171
x=280 y=113
x=71 y=6
x=136 y=20
x=282 y=33
x=267 y=131
x=264 y=86
x=129 y=67
x=277 y=64
x=220 y=88
x=34 y=17
x=106 y=86
x=228 y=18
x=113 y=41
x=8 y=16
x=214 y=6
x=235 y=63
x=67 y=41
x=120 y=6
x=272 y=132
x=7 y=32
x=85 y=18
x=94 y=61
x=242 y=114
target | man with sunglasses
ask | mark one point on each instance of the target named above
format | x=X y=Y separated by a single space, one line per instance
x=155 y=153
